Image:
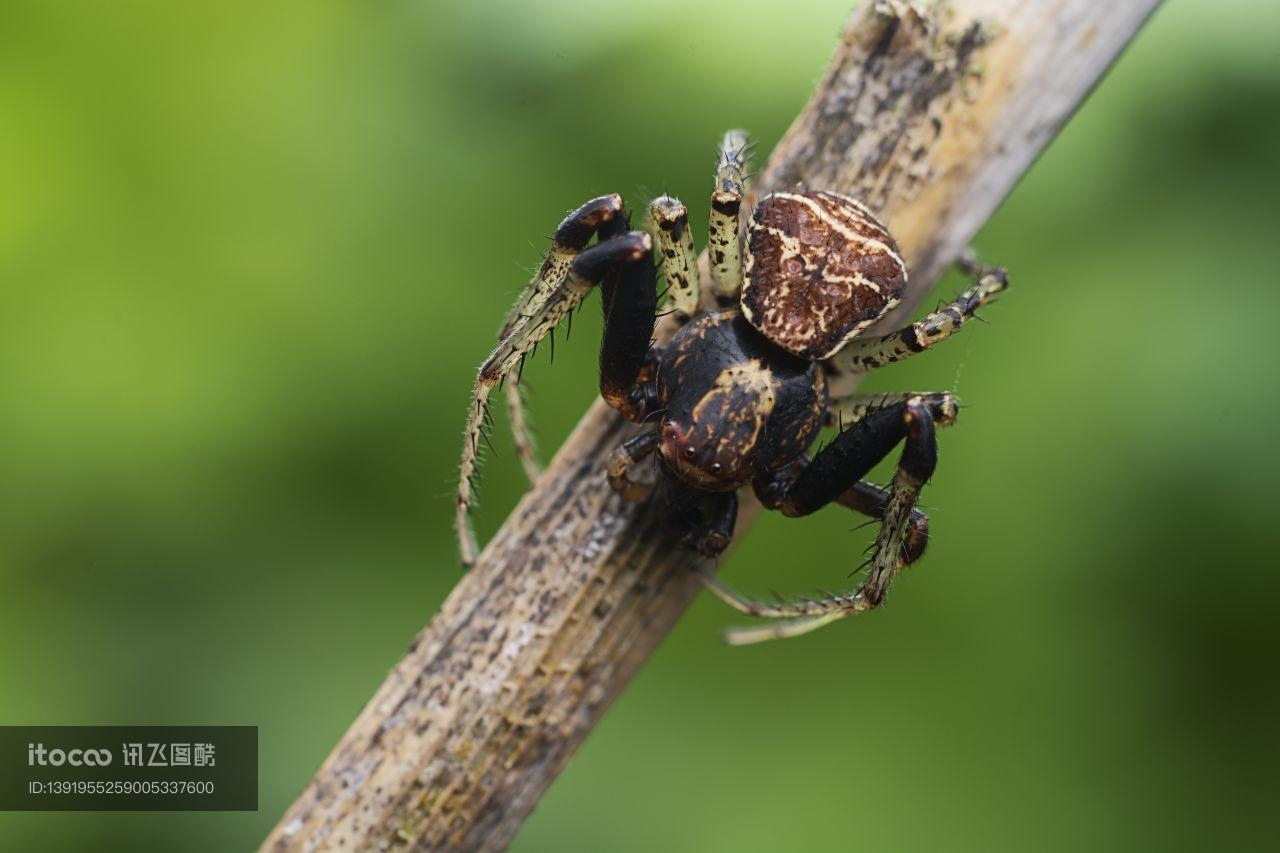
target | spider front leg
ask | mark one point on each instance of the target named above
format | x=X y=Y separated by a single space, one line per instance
x=873 y=501
x=570 y=238
x=669 y=221
x=868 y=498
x=835 y=474
x=855 y=407
x=623 y=266
x=723 y=247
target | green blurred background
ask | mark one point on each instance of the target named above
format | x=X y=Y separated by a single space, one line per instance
x=250 y=254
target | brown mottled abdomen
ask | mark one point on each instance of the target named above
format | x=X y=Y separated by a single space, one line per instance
x=819 y=269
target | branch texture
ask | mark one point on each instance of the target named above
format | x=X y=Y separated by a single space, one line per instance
x=930 y=117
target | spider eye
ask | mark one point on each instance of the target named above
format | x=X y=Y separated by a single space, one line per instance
x=689 y=451
x=715 y=468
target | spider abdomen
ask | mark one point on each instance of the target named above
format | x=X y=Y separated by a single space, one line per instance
x=734 y=403
x=819 y=269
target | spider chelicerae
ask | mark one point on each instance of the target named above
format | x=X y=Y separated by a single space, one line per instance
x=739 y=393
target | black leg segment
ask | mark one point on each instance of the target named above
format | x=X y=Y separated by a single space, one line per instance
x=840 y=465
x=629 y=297
x=835 y=474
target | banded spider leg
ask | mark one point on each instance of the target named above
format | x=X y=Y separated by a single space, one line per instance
x=621 y=262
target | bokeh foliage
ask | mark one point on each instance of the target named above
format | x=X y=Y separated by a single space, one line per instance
x=250 y=254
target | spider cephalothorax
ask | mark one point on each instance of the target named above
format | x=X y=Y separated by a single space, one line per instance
x=739 y=393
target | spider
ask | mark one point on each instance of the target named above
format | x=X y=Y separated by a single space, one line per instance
x=739 y=394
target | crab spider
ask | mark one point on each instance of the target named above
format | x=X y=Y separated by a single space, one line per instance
x=738 y=395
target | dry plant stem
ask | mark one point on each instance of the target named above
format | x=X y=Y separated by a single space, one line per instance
x=928 y=117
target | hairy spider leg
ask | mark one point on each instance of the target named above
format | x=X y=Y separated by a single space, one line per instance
x=843 y=411
x=723 y=247
x=624 y=457
x=869 y=499
x=835 y=474
x=670 y=222
x=873 y=501
x=521 y=431
x=860 y=355
x=570 y=238
x=620 y=264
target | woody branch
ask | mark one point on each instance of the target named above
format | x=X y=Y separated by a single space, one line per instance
x=930 y=117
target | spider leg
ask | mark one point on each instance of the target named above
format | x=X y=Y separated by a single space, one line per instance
x=628 y=360
x=846 y=410
x=860 y=356
x=521 y=434
x=620 y=264
x=971 y=265
x=670 y=222
x=570 y=238
x=873 y=501
x=723 y=246
x=835 y=475
x=624 y=458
